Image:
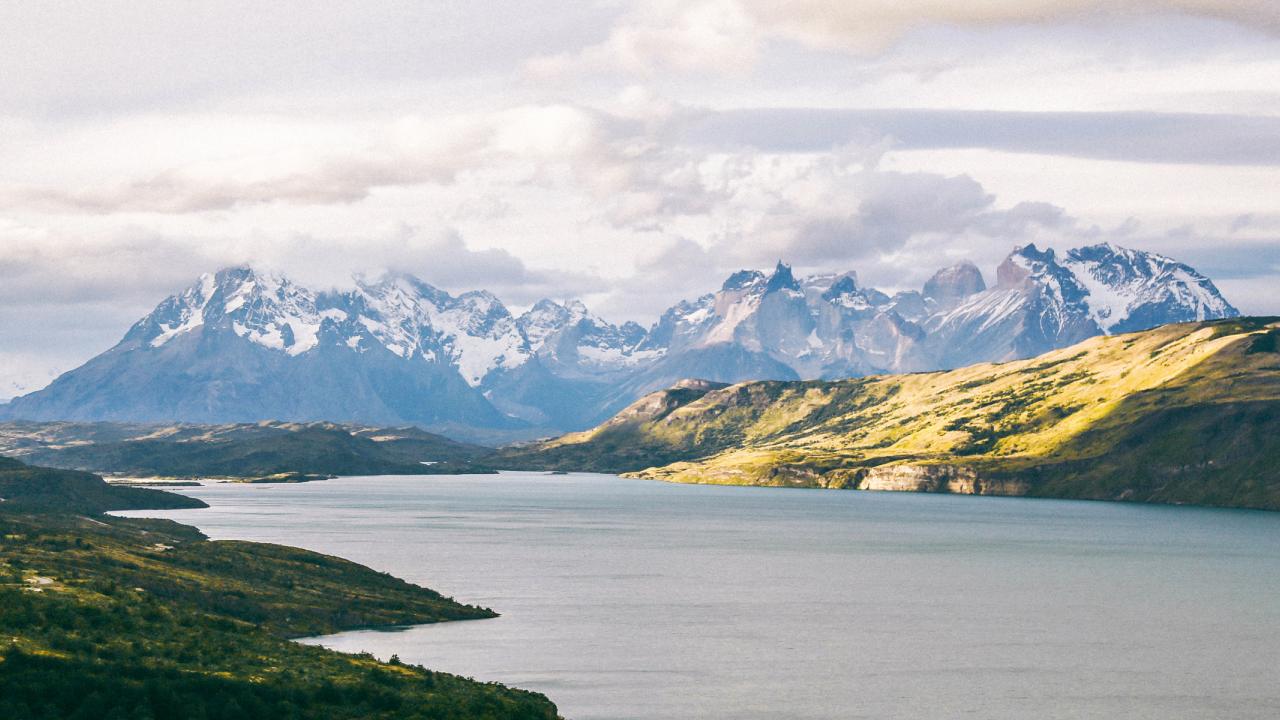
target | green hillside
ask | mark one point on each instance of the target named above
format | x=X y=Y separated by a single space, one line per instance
x=1184 y=414
x=34 y=489
x=104 y=617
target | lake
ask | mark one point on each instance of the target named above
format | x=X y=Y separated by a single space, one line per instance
x=636 y=599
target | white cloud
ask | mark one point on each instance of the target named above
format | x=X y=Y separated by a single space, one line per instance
x=870 y=25
x=628 y=152
x=199 y=164
x=668 y=35
x=732 y=35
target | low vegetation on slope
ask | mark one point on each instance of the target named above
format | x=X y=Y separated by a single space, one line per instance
x=241 y=450
x=1183 y=413
x=104 y=617
x=34 y=489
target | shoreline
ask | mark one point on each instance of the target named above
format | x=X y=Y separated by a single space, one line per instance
x=169 y=608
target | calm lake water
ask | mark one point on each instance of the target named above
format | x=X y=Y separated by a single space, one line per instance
x=635 y=599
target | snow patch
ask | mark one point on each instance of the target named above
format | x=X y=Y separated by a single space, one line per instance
x=853 y=302
x=734 y=315
x=616 y=356
x=194 y=302
x=1108 y=306
x=167 y=333
x=697 y=317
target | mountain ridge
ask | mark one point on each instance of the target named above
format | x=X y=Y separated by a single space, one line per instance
x=243 y=345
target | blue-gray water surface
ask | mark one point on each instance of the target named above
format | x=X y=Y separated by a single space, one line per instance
x=636 y=599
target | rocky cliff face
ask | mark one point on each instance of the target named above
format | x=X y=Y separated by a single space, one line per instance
x=939 y=479
x=950 y=286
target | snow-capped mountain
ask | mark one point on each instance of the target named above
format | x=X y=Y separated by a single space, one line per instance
x=1040 y=303
x=265 y=308
x=1131 y=290
x=569 y=335
x=1036 y=305
x=243 y=344
x=473 y=332
x=784 y=328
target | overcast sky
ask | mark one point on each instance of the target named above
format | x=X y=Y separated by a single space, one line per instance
x=631 y=154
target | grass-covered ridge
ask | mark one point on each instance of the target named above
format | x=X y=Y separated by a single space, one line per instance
x=104 y=617
x=1182 y=413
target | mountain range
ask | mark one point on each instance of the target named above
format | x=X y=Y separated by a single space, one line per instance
x=243 y=345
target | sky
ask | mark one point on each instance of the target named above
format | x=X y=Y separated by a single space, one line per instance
x=630 y=154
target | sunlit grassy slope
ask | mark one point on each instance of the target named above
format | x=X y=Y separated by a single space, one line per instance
x=1182 y=413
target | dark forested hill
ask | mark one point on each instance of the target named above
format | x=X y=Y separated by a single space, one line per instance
x=107 y=618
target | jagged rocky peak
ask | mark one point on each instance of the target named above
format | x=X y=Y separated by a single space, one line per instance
x=569 y=333
x=1043 y=300
x=781 y=279
x=953 y=284
x=1121 y=262
x=840 y=287
x=1123 y=289
x=393 y=311
x=910 y=305
x=548 y=317
x=480 y=312
x=743 y=280
x=1133 y=290
x=545 y=318
x=545 y=310
x=177 y=314
x=408 y=293
x=1024 y=262
x=823 y=281
x=478 y=335
x=632 y=333
x=264 y=307
x=843 y=293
